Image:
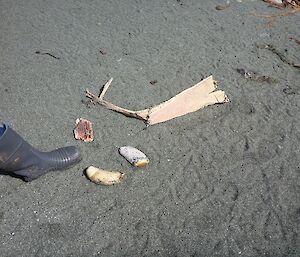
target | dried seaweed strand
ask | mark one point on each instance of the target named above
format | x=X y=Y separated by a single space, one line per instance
x=295 y=39
x=296 y=9
x=281 y=56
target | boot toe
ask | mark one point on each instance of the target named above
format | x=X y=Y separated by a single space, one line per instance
x=72 y=154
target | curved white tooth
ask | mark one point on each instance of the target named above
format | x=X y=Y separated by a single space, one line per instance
x=104 y=177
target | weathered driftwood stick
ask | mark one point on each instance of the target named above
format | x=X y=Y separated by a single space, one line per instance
x=105 y=88
x=190 y=100
x=108 y=105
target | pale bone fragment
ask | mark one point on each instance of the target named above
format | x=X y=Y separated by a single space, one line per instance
x=190 y=100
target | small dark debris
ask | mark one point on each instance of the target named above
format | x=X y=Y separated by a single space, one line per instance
x=103 y=51
x=46 y=53
x=288 y=90
x=87 y=103
x=255 y=76
x=244 y=73
x=295 y=39
x=153 y=82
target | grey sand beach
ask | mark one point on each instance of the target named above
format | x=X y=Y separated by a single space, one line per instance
x=222 y=181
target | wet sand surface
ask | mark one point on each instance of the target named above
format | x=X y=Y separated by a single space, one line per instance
x=223 y=181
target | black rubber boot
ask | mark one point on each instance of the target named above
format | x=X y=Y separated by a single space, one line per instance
x=19 y=159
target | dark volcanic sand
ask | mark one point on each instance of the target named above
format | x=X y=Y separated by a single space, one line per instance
x=223 y=181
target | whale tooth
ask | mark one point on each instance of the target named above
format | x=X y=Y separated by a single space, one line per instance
x=104 y=177
x=133 y=155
